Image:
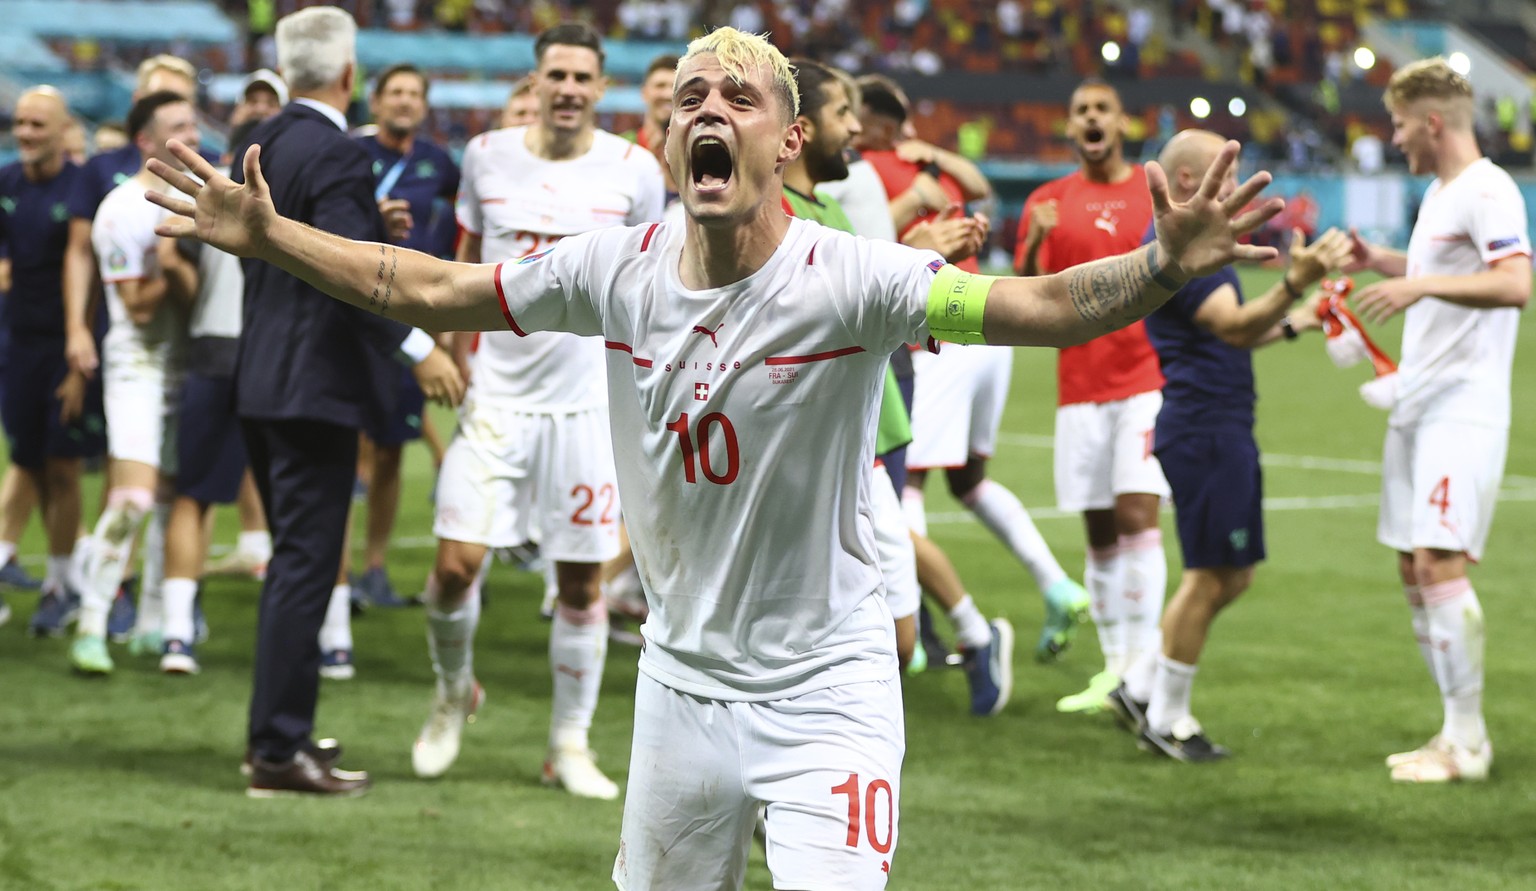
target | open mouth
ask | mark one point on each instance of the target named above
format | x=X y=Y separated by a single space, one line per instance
x=710 y=162
x=1093 y=137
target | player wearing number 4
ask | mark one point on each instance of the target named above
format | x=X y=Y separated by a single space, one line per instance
x=532 y=459
x=1460 y=287
x=745 y=356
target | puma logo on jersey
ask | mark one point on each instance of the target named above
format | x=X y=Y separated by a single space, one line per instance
x=1107 y=223
x=700 y=329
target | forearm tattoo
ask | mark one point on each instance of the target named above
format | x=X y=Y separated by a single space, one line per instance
x=1115 y=292
x=389 y=264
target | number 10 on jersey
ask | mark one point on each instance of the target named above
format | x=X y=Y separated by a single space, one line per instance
x=694 y=443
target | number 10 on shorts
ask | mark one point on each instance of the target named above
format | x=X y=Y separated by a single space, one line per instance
x=873 y=806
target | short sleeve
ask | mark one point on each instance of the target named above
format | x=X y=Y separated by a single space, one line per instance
x=121 y=248
x=1186 y=302
x=85 y=194
x=553 y=290
x=889 y=284
x=1043 y=256
x=1496 y=221
x=466 y=207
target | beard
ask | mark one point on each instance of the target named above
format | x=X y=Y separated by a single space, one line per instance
x=827 y=167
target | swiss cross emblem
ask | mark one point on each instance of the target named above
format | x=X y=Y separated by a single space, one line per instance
x=700 y=391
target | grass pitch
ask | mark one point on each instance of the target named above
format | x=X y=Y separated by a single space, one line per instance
x=131 y=782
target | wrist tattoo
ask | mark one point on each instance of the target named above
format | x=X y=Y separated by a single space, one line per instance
x=388 y=266
x=1115 y=292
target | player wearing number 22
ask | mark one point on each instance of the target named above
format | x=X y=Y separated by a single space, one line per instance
x=1460 y=287
x=533 y=458
x=769 y=669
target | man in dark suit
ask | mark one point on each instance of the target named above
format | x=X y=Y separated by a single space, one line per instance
x=310 y=374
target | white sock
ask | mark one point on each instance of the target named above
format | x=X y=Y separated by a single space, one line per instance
x=1145 y=580
x=108 y=553
x=578 y=646
x=971 y=627
x=1456 y=627
x=1001 y=512
x=336 y=630
x=59 y=572
x=179 y=596
x=1420 y=617
x=1170 y=694
x=451 y=637
x=1140 y=675
x=151 y=584
x=912 y=506
x=1103 y=577
x=7 y=551
x=257 y=545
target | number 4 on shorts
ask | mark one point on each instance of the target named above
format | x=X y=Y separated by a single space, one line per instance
x=1441 y=496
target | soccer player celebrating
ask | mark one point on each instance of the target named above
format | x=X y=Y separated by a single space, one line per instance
x=533 y=458
x=142 y=360
x=1461 y=286
x=1107 y=392
x=1205 y=443
x=744 y=354
x=52 y=414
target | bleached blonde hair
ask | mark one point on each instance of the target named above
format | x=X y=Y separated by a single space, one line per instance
x=1432 y=79
x=739 y=53
x=165 y=62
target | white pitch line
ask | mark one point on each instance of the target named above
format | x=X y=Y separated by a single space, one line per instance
x=1273 y=459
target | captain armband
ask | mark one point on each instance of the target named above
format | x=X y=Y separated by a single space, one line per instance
x=956 y=303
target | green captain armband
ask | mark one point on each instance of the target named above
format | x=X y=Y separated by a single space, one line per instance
x=956 y=303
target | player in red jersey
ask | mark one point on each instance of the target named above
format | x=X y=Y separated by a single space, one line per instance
x=1109 y=391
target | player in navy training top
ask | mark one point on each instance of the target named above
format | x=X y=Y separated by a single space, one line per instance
x=416 y=182
x=1204 y=441
x=52 y=416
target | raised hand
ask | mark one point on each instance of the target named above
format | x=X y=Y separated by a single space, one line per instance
x=1310 y=262
x=1043 y=218
x=397 y=218
x=1199 y=236
x=235 y=219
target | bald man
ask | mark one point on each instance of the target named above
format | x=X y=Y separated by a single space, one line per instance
x=52 y=415
x=1204 y=440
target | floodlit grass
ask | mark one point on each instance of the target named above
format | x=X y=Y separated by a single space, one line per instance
x=131 y=782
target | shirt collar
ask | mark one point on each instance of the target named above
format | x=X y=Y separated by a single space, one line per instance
x=331 y=114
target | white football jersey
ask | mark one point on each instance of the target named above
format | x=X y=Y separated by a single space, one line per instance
x=1456 y=359
x=743 y=423
x=124 y=238
x=521 y=205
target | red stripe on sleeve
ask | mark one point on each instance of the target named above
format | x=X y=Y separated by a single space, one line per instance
x=645 y=243
x=813 y=357
x=505 y=311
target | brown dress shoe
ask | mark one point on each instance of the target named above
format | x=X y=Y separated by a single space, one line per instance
x=326 y=751
x=304 y=774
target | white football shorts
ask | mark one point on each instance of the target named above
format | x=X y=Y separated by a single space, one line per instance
x=141 y=414
x=511 y=477
x=957 y=404
x=893 y=541
x=827 y=764
x=1104 y=449
x=1439 y=484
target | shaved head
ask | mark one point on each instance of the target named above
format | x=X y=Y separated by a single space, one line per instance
x=46 y=97
x=39 y=125
x=1186 y=158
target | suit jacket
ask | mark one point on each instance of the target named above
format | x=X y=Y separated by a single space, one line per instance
x=304 y=355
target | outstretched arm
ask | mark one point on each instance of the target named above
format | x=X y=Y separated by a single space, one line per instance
x=1194 y=238
x=411 y=287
